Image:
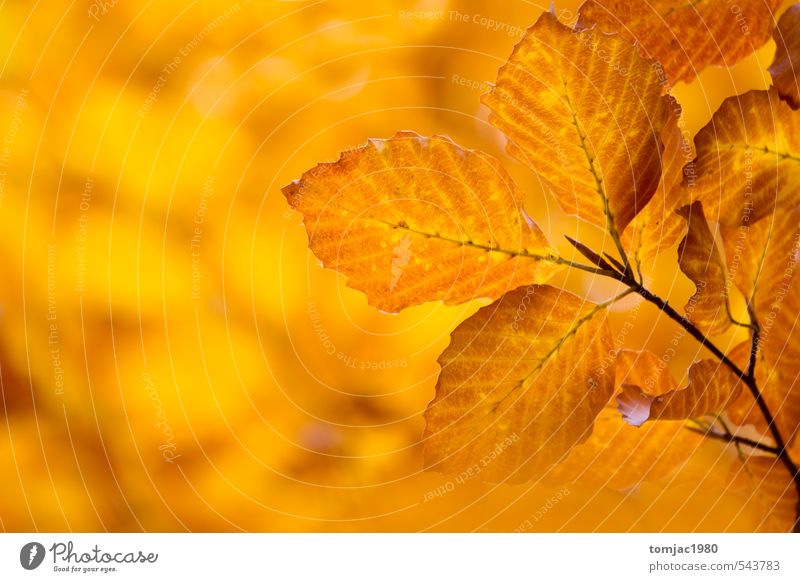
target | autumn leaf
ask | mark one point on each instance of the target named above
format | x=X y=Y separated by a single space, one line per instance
x=779 y=384
x=700 y=260
x=769 y=492
x=686 y=37
x=658 y=227
x=619 y=455
x=786 y=65
x=760 y=256
x=763 y=260
x=585 y=112
x=521 y=384
x=710 y=389
x=748 y=159
x=414 y=219
x=645 y=370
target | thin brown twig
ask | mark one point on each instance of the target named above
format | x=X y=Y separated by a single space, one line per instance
x=735 y=439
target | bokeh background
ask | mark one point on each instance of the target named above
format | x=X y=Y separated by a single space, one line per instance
x=173 y=358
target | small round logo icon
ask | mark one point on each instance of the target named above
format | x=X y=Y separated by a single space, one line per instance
x=31 y=555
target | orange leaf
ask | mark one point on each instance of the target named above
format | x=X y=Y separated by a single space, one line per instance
x=585 y=112
x=763 y=260
x=712 y=387
x=657 y=227
x=760 y=257
x=779 y=384
x=748 y=159
x=645 y=370
x=700 y=260
x=770 y=494
x=786 y=65
x=686 y=37
x=521 y=384
x=619 y=455
x=414 y=219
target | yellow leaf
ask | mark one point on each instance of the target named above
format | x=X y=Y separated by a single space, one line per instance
x=712 y=387
x=619 y=455
x=779 y=384
x=748 y=159
x=700 y=260
x=521 y=384
x=645 y=370
x=786 y=65
x=760 y=257
x=657 y=227
x=414 y=219
x=769 y=492
x=763 y=260
x=686 y=37
x=585 y=112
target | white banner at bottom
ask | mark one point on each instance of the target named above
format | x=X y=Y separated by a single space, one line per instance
x=388 y=557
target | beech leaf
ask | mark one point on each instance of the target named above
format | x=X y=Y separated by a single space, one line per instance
x=521 y=384
x=763 y=260
x=584 y=110
x=619 y=455
x=711 y=388
x=786 y=65
x=686 y=37
x=657 y=227
x=700 y=260
x=769 y=492
x=779 y=384
x=748 y=159
x=413 y=219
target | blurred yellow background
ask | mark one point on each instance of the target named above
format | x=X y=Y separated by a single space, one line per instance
x=173 y=358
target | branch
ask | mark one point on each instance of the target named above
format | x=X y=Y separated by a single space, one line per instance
x=732 y=438
x=749 y=381
x=748 y=378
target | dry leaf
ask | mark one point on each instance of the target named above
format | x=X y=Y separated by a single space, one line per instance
x=657 y=227
x=619 y=455
x=763 y=260
x=521 y=384
x=769 y=491
x=414 y=219
x=585 y=111
x=711 y=388
x=700 y=260
x=779 y=384
x=748 y=159
x=786 y=65
x=645 y=370
x=686 y=37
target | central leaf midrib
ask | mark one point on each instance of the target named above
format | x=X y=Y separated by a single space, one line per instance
x=553 y=351
x=438 y=236
x=598 y=181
